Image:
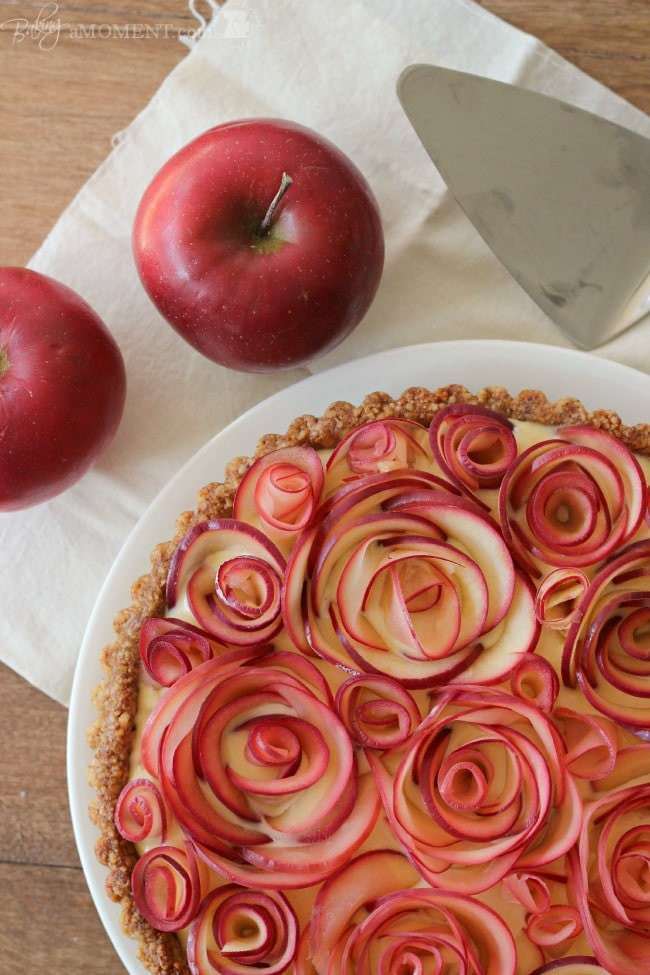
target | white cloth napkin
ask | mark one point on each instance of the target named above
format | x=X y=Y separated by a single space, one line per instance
x=331 y=65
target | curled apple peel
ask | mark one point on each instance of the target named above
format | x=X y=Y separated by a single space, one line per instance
x=257 y=770
x=571 y=500
x=170 y=648
x=482 y=788
x=378 y=447
x=605 y=650
x=475 y=446
x=581 y=965
x=401 y=578
x=377 y=711
x=280 y=493
x=239 y=931
x=167 y=886
x=231 y=574
x=140 y=812
x=610 y=876
x=373 y=918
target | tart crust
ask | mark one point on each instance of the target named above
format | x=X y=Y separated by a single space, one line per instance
x=115 y=698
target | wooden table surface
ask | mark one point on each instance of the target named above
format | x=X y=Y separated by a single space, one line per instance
x=60 y=105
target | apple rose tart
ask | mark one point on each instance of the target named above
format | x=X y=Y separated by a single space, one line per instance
x=381 y=705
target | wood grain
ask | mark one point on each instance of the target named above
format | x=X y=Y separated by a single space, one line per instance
x=65 y=96
x=50 y=923
x=608 y=40
x=59 y=108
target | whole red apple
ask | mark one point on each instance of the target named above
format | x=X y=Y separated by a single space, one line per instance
x=261 y=243
x=62 y=387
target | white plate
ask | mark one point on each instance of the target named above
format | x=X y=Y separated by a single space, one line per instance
x=515 y=365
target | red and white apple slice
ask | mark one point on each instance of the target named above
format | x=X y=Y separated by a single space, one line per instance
x=170 y=648
x=259 y=771
x=605 y=651
x=574 y=965
x=229 y=574
x=608 y=874
x=377 y=711
x=140 y=812
x=474 y=446
x=238 y=931
x=296 y=866
x=280 y=493
x=482 y=786
x=352 y=891
x=404 y=579
x=571 y=501
x=168 y=884
x=373 y=918
x=377 y=447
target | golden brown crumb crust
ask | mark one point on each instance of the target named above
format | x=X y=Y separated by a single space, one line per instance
x=115 y=698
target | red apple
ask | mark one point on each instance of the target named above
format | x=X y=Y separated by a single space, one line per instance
x=261 y=243
x=62 y=387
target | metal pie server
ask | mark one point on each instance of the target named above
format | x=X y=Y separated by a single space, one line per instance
x=561 y=196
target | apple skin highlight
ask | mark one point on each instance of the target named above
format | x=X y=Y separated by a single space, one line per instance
x=62 y=387
x=254 y=299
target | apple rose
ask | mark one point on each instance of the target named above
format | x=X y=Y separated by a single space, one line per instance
x=401 y=578
x=280 y=493
x=558 y=596
x=377 y=711
x=482 y=788
x=611 y=878
x=474 y=446
x=372 y=919
x=377 y=447
x=259 y=771
x=170 y=648
x=571 y=500
x=168 y=884
x=606 y=647
x=229 y=575
x=238 y=931
x=140 y=812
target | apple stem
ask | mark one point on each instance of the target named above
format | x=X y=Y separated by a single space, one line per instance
x=265 y=225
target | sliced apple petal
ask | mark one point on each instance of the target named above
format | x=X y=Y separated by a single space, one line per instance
x=376 y=447
x=208 y=544
x=238 y=930
x=473 y=445
x=280 y=492
x=357 y=887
